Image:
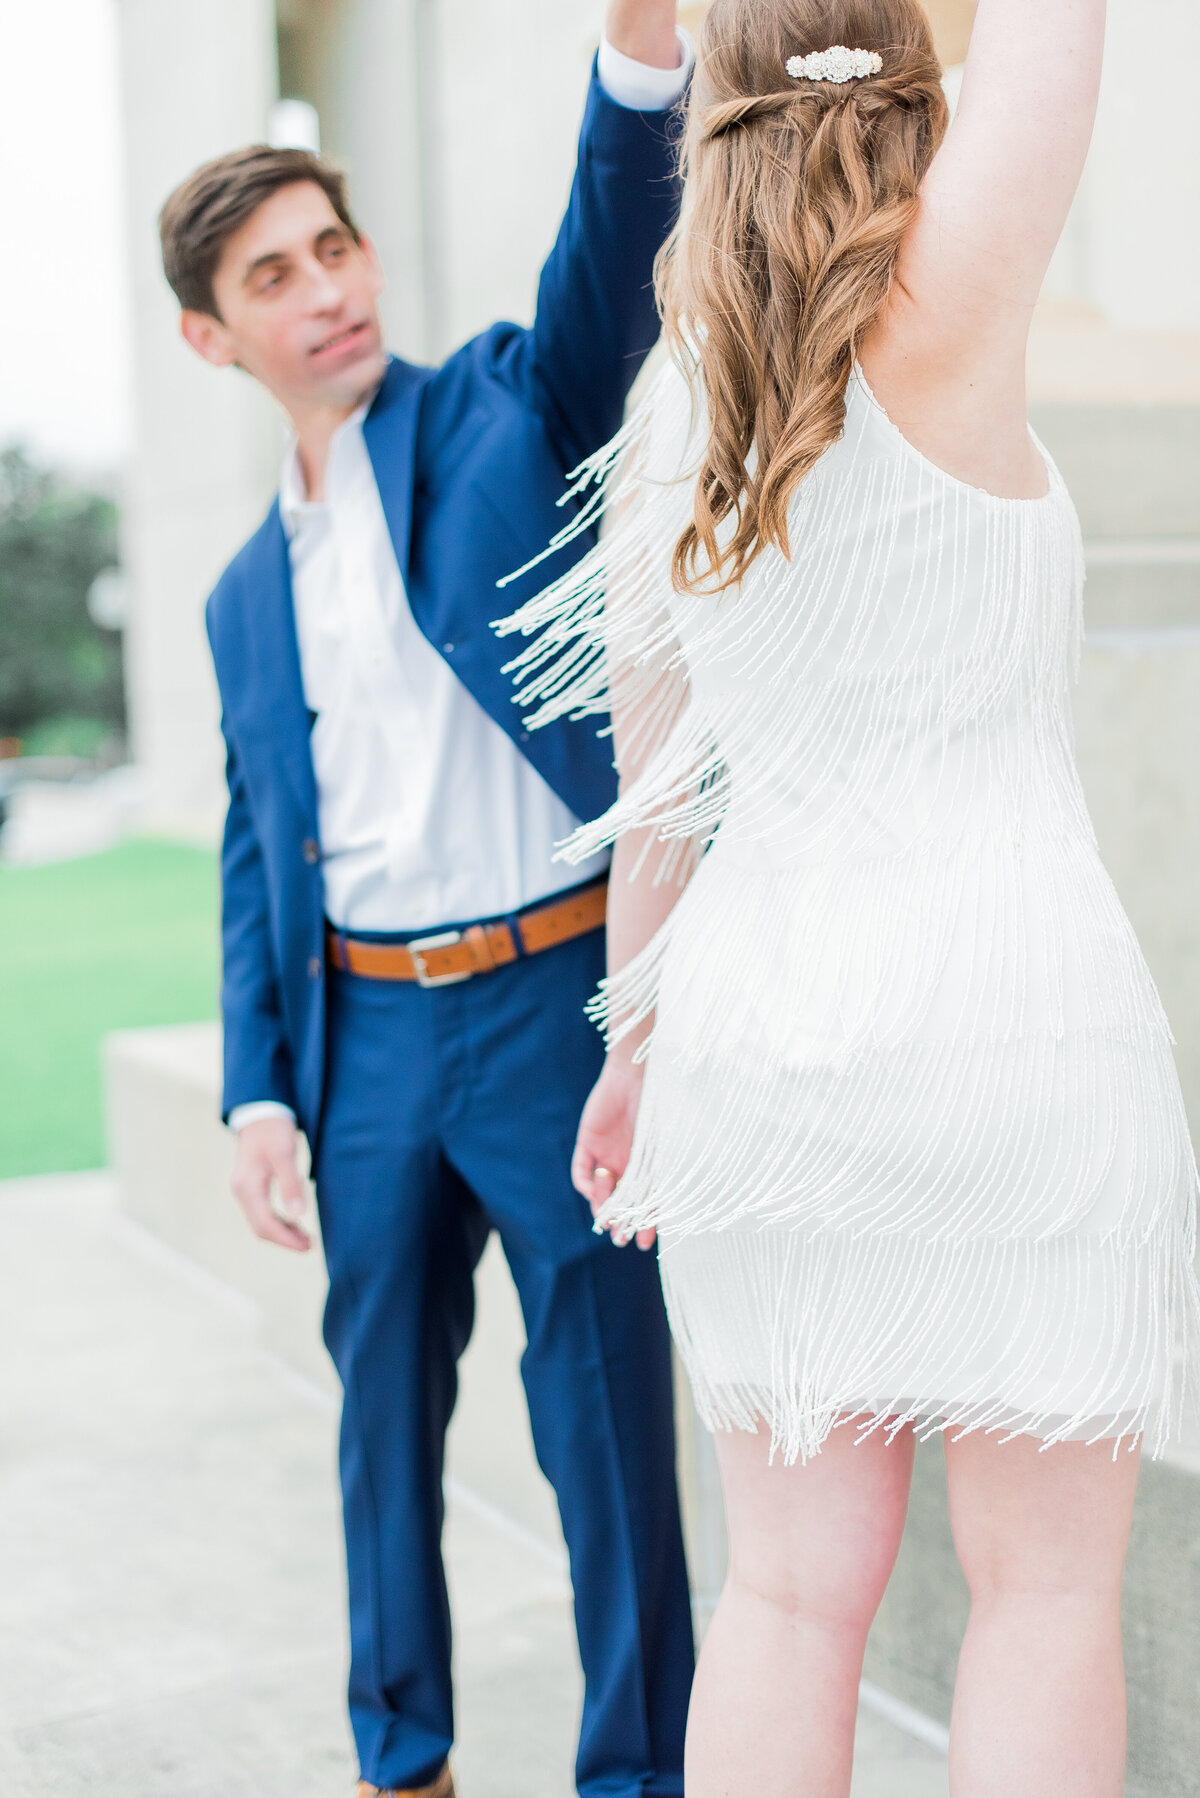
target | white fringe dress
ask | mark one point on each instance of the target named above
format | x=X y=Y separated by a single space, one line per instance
x=911 y=1130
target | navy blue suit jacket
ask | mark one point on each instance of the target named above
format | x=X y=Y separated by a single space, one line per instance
x=470 y=459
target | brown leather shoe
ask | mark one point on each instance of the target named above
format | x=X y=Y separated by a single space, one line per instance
x=441 y=1787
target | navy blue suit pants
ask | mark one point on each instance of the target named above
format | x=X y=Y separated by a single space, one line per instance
x=449 y=1112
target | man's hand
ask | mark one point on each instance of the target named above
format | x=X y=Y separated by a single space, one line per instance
x=605 y=1137
x=644 y=30
x=266 y=1158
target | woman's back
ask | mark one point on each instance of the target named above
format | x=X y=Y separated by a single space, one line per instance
x=904 y=672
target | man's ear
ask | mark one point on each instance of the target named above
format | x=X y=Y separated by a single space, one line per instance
x=208 y=337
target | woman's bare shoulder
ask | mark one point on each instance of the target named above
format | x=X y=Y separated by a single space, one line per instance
x=967 y=417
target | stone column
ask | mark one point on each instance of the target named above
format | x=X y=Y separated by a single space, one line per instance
x=456 y=121
x=364 y=65
x=1143 y=185
x=196 y=82
x=508 y=89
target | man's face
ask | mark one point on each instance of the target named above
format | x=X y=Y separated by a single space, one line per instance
x=297 y=299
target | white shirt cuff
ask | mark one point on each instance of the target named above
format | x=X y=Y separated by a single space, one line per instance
x=241 y=1115
x=637 y=85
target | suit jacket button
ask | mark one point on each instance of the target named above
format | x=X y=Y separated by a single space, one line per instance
x=311 y=851
x=314 y=967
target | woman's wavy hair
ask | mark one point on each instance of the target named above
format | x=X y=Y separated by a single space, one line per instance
x=797 y=196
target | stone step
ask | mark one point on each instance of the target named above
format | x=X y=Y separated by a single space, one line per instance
x=1142 y=583
x=1133 y=470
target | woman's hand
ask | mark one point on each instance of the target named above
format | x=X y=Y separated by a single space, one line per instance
x=605 y=1137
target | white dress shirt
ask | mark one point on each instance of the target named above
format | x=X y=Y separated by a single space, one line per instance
x=428 y=814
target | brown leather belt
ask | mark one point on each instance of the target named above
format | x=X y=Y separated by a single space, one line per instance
x=454 y=955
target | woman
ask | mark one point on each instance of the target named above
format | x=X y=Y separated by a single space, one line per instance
x=909 y=1129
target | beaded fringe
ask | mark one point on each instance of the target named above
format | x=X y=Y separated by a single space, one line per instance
x=911 y=1130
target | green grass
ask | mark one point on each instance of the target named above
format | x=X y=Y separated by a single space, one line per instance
x=67 y=736
x=124 y=938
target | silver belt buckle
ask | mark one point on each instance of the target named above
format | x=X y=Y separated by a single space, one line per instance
x=417 y=949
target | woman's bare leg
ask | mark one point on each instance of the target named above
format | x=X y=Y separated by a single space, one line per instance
x=810 y=1552
x=1039 y=1706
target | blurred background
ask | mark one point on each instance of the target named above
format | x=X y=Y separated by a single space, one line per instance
x=129 y=473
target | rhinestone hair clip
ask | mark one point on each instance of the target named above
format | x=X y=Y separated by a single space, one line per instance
x=836 y=64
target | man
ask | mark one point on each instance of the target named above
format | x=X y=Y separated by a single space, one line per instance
x=404 y=963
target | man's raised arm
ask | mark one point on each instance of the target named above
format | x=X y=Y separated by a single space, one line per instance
x=644 y=31
x=596 y=319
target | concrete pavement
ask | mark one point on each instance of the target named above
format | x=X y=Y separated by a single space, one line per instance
x=170 y=1581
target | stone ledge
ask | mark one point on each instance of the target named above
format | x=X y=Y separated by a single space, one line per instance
x=1143 y=592
x=1078 y=358
x=173 y=1157
x=1132 y=468
x=173 y=1160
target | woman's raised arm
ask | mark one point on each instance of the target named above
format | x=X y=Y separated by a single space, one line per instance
x=998 y=193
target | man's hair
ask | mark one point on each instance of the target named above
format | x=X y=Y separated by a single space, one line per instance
x=204 y=211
